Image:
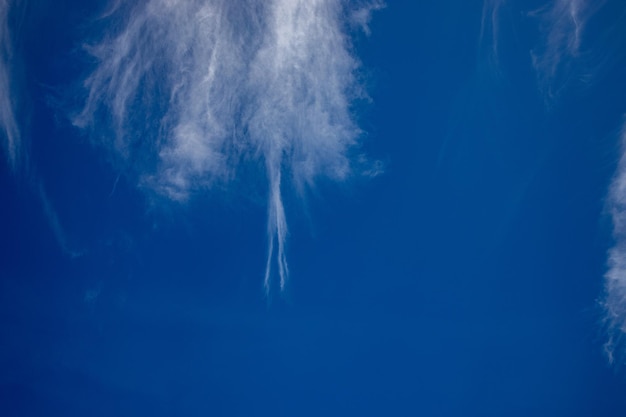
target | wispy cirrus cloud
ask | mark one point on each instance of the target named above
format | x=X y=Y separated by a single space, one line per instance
x=614 y=302
x=564 y=53
x=560 y=54
x=562 y=25
x=191 y=91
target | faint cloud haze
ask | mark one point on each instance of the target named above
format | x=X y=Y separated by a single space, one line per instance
x=192 y=90
x=8 y=124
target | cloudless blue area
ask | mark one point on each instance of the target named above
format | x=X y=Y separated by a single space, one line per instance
x=463 y=282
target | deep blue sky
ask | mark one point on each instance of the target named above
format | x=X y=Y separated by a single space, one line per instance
x=464 y=280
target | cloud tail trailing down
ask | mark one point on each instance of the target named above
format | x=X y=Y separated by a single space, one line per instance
x=276 y=232
x=190 y=91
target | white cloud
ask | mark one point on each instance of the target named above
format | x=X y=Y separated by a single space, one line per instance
x=361 y=16
x=194 y=89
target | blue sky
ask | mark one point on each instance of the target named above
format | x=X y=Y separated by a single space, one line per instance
x=314 y=208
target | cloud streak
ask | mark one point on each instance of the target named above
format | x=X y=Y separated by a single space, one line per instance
x=55 y=225
x=8 y=124
x=192 y=91
x=490 y=28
